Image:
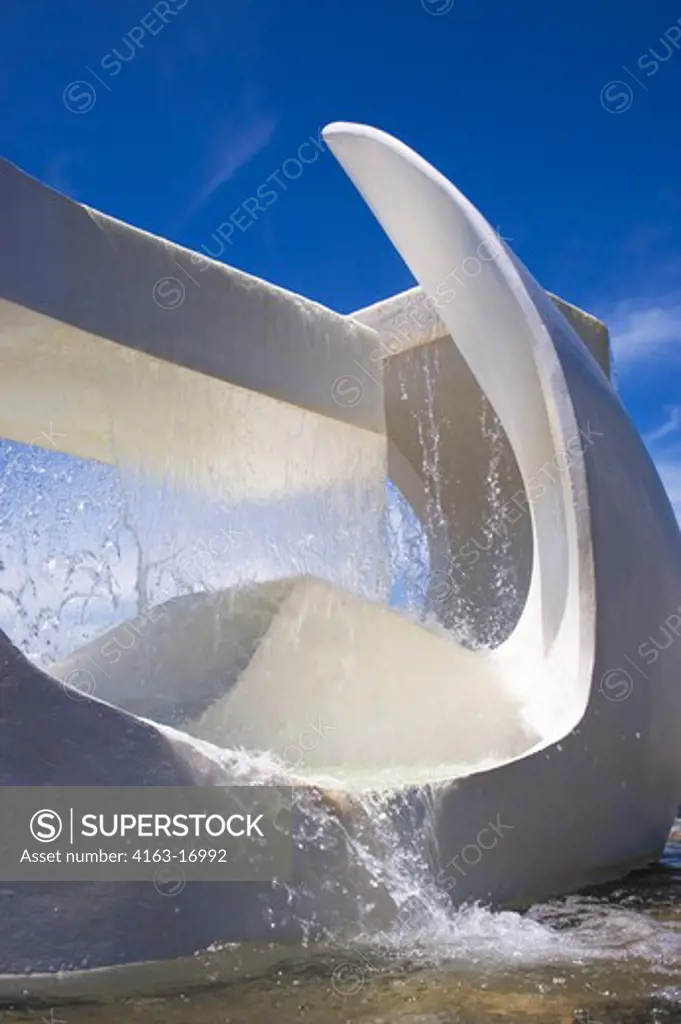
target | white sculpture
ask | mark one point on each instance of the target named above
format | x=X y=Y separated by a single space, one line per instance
x=557 y=740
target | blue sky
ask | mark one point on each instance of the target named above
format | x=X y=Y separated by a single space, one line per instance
x=559 y=121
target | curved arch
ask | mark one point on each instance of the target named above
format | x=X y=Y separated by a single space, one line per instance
x=498 y=320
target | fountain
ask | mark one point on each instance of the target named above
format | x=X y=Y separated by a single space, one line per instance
x=409 y=561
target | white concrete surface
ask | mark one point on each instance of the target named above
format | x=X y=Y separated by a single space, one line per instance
x=606 y=568
x=566 y=726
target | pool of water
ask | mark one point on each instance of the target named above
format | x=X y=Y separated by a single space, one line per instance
x=611 y=955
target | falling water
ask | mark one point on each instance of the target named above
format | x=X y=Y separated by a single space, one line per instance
x=603 y=949
x=61 y=586
x=496 y=531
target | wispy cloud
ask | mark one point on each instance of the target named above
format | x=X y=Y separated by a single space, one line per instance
x=642 y=330
x=671 y=425
x=237 y=147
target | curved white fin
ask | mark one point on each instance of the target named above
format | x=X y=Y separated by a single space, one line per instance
x=483 y=297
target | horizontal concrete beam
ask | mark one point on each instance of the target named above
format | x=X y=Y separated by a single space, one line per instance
x=81 y=268
x=407 y=320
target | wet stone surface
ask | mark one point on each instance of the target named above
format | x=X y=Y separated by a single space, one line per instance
x=610 y=956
